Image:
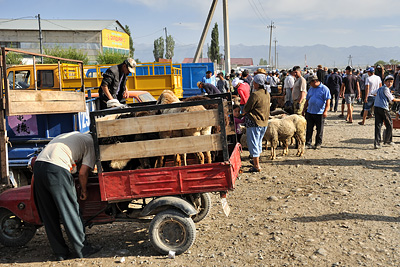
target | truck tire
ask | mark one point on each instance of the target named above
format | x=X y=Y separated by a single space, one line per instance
x=172 y=230
x=203 y=207
x=14 y=232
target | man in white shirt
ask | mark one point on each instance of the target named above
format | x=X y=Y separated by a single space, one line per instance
x=288 y=87
x=372 y=84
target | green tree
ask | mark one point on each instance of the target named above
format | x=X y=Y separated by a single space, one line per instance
x=213 y=51
x=158 y=51
x=110 y=57
x=169 y=53
x=13 y=58
x=131 y=48
x=263 y=62
x=394 y=62
x=70 y=53
x=380 y=62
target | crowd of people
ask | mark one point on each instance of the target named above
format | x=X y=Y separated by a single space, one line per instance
x=312 y=94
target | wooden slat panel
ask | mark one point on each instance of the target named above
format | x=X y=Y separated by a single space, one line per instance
x=157 y=123
x=41 y=102
x=160 y=147
x=32 y=95
x=21 y=108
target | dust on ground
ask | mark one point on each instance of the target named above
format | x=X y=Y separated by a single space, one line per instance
x=337 y=206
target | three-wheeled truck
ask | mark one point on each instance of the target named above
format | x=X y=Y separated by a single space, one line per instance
x=171 y=197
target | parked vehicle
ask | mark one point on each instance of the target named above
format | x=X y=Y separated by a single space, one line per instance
x=174 y=197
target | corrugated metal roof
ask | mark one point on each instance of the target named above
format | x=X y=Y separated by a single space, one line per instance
x=234 y=61
x=60 y=25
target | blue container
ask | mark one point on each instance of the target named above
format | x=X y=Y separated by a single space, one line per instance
x=193 y=73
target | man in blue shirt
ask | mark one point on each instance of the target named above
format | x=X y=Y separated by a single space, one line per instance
x=209 y=78
x=382 y=114
x=316 y=110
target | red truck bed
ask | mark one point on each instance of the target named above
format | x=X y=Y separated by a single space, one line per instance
x=132 y=184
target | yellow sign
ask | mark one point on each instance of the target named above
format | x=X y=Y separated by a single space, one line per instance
x=115 y=39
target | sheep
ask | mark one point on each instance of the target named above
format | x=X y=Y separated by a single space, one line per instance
x=168 y=97
x=283 y=130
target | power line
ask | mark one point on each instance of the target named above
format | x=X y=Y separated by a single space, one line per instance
x=264 y=10
x=255 y=12
x=148 y=34
x=28 y=17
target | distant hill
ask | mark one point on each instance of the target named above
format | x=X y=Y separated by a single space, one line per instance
x=288 y=56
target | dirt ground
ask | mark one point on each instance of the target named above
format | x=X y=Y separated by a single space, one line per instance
x=337 y=206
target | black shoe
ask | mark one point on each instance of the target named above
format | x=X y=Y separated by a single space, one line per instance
x=63 y=257
x=308 y=146
x=90 y=250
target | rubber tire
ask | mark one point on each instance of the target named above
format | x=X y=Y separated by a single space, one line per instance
x=181 y=222
x=24 y=232
x=204 y=209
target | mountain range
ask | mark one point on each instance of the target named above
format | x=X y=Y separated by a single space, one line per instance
x=288 y=56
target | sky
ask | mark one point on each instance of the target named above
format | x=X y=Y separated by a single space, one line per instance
x=339 y=23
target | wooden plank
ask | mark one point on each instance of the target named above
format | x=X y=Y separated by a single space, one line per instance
x=32 y=95
x=161 y=147
x=21 y=108
x=157 y=123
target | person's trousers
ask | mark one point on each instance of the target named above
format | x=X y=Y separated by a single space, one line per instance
x=335 y=96
x=316 y=120
x=383 y=116
x=254 y=136
x=55 y=198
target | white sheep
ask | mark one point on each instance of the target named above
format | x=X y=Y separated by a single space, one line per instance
x=283 y=130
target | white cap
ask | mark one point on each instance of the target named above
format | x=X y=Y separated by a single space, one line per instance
x=236 y=82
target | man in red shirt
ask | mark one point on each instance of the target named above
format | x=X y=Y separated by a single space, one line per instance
x=243 y=90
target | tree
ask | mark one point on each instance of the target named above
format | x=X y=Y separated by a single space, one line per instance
x=394 y=62
x=263 y=62
x=158 y=51
x=70 y=53
x=380 y=62
x=169 y=53
x=110 y=57
x=213 y=51
x=13 y=58
x=131 y=49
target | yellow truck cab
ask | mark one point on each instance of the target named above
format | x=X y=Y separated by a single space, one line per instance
x=151 y=77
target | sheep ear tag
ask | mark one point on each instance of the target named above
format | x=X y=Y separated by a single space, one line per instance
x=225 y=206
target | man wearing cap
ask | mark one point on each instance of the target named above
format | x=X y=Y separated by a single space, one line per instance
x=208 y=88
x=243 y=90
x=113 y=85
x=321 y=73
x=372 y=84
x=382 y=114
x=316 y=110
x=349 y=89
x=299 y=91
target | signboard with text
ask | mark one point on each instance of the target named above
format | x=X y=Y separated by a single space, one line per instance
x=114 y=39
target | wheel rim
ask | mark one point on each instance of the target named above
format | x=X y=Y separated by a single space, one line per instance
x=12 y=227
x=172 y=233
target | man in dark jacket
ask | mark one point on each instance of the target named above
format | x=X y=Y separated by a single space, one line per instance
x=113 y=85
x=208 y=88
x=334 y=83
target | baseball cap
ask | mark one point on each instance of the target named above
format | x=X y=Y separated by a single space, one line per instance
x=236 y=82
x=198 y=84
x=371 y=69
x=131 y=64
x=389 y=77
x=312 y=78
x=349 y=68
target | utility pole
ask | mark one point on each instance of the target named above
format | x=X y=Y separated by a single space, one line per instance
x=275 y=67
x=205 y=30
x=165 y=29
x=270 y=27
x=350 y=61
x=226 y=37
x=40 y=38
